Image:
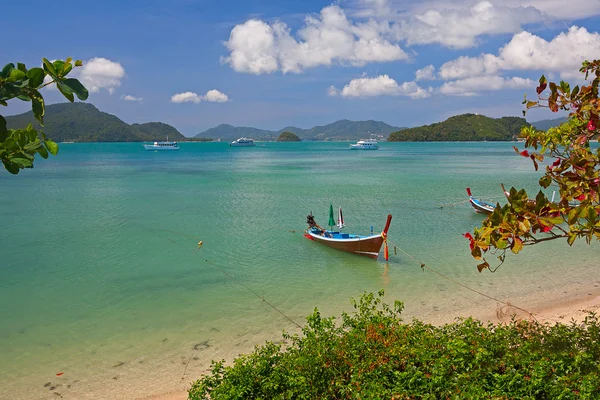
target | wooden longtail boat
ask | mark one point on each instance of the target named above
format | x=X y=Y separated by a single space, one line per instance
x=480 y=206
x=362 y=245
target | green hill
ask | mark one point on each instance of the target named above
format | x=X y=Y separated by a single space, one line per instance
x=546 y=124
x=339 y=130
x=466 y=127
x=82 y=122
x=288 y=137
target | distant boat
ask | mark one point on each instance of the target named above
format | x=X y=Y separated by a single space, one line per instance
x=368 y=246
x=242 y=142
x=480 y=206
x=365 y=144
x=162 y=146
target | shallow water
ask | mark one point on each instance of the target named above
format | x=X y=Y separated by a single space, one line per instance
x=101 y=277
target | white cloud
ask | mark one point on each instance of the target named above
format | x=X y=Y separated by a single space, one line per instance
x=329 y=38
x=471 y=86
x=563 y=54
x=186 y=97
x=213 y=96
x=100 y=73
x=131 y=98
x=379 y=86
x=426 y=73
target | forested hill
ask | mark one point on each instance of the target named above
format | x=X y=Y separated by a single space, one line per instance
x=465 y=127
x=82 y=122
x=339 y=130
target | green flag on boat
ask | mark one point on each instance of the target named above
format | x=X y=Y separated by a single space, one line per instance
x=331 y=220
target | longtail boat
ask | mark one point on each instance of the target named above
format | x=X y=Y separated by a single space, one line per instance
x=368 y=246
x=480 y=206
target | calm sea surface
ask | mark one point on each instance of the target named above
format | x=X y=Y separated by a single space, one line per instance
x=101 y=278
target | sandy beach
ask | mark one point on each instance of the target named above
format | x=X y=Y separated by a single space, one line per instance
x=564 y=312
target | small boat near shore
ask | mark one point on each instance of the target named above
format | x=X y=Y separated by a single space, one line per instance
x=365 y=144
x=162 y=146
x=242 y=142
x=368 y=246
x=480 y=206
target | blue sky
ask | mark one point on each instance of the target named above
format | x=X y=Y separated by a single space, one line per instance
x=195 y=64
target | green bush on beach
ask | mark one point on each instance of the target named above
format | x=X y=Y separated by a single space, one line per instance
x=372 y=354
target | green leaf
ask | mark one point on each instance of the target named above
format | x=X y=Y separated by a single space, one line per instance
x=571 y=238
x=10 y=167
x=3 y=129
x=42 y=151
x=77 y=88
x=48 y=67
x=22 y=162
x=58 y=67
x=22 y=67
x=52 y=147
x=37 y=106
x=78 y=63
x=66 y=91
x=36 y=77
x=6 y=70
x=16 y=75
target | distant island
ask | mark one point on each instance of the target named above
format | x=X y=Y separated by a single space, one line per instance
x=288 y=137
x=466 y=127
x=83 y=122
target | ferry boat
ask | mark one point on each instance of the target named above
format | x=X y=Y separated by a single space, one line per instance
x=365 y=144
x=242 y=142
x=161 y=146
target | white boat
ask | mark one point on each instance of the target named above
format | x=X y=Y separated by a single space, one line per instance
x=365 y=144
x=162 y=146
x=242 y=142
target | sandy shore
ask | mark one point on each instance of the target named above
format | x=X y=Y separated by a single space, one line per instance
x=563 y=312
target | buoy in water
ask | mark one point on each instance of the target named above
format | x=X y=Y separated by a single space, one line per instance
x=200 y=244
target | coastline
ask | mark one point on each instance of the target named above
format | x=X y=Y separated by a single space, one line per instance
x=573 y=310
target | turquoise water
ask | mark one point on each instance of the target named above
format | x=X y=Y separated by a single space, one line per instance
x=101 y=277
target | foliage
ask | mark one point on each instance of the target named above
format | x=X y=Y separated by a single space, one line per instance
x=466 y=127
x=18 y=147
x=81 y=122
x=288 y=137
x=372 y=354
x=574 y=172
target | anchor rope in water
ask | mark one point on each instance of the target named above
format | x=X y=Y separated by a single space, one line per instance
x=236 y=281
x=423 y=266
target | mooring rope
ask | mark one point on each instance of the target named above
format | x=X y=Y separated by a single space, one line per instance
x=425 y=266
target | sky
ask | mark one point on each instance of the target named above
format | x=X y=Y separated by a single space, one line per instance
x=195 y=64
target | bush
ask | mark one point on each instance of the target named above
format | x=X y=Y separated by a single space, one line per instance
x=373 y=354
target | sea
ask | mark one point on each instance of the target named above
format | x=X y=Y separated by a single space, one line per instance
x=105 y=292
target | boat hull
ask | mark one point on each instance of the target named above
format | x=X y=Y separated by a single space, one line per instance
x=368 y=246
x=151 y=147
x=481 y=207
x=242 y=142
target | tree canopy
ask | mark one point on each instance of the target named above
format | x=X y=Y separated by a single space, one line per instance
x=18 y=147
x=465 y=127
x=570 y=165
x=288 y=137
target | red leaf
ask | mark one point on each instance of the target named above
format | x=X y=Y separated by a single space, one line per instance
x=547 y=228
x=468 y=236
x=591 y=125
x=524 y=153
x=59 y=373
x=541 y=88
x=581 y=197
x=556 y=163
